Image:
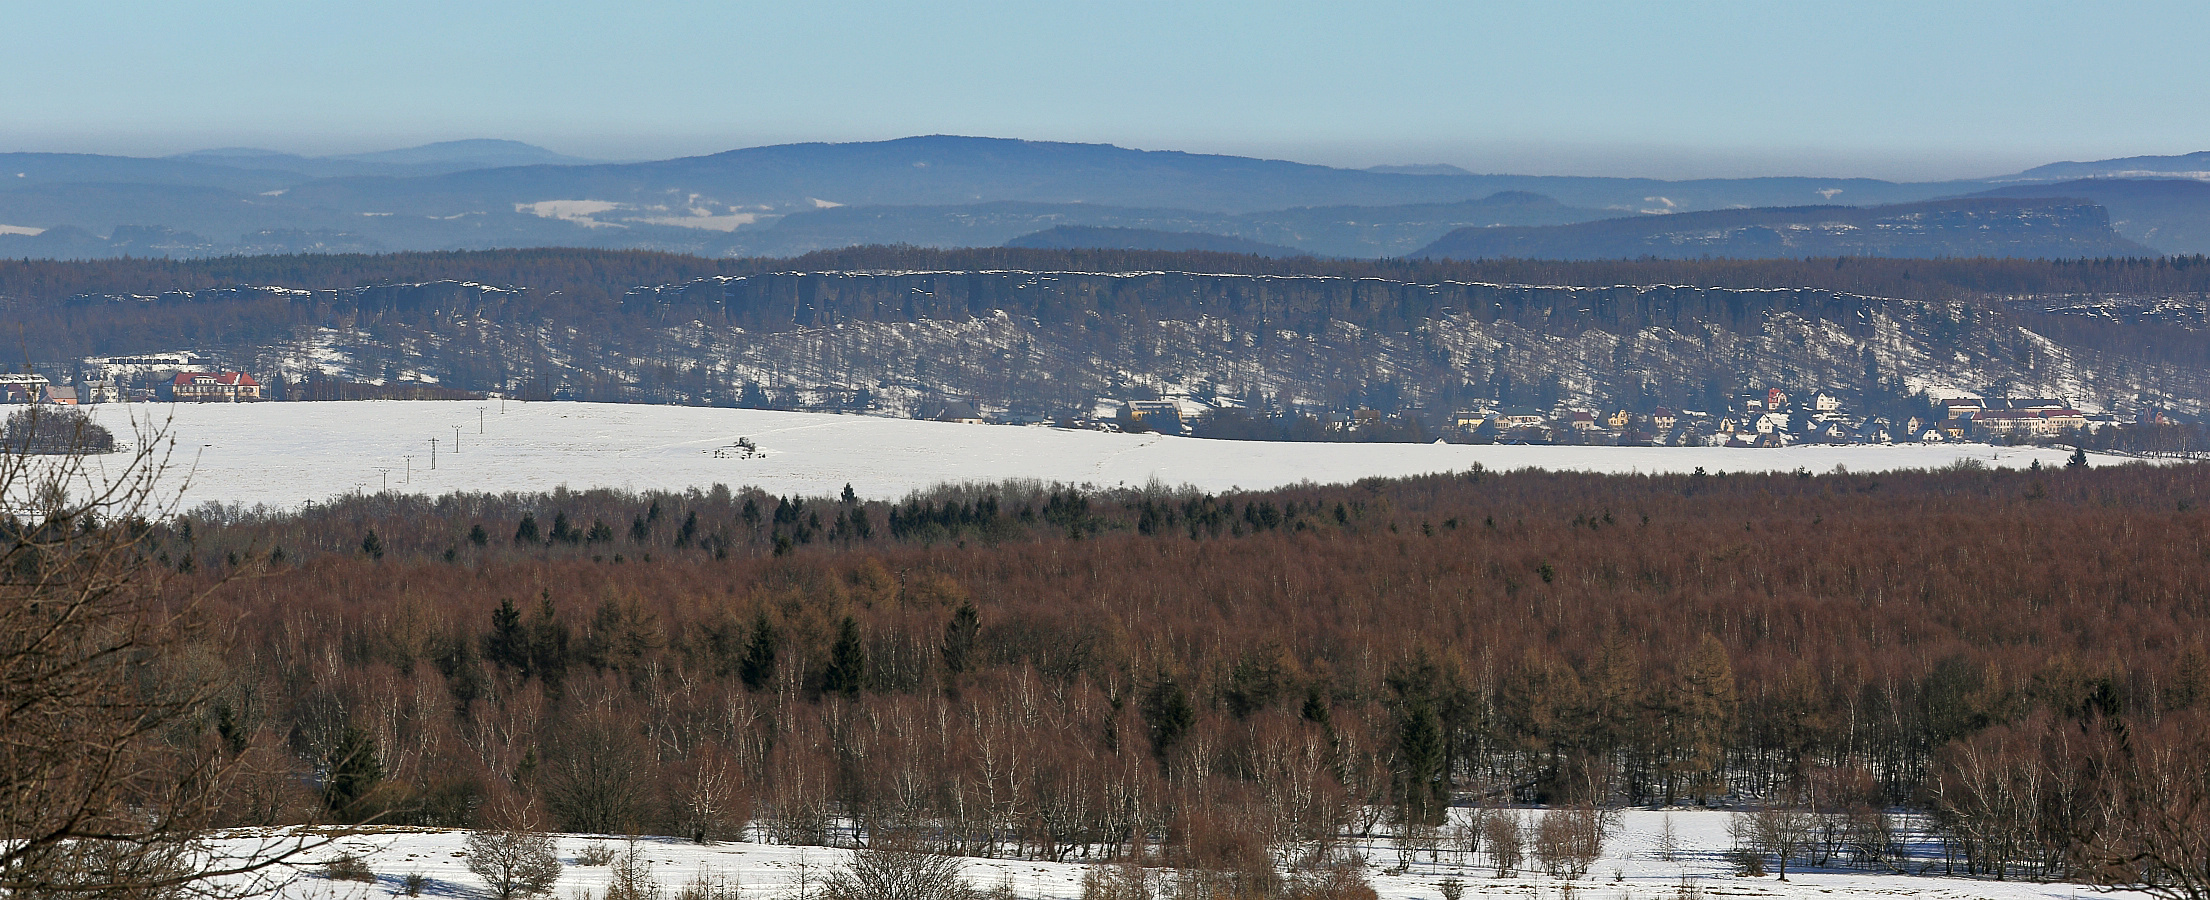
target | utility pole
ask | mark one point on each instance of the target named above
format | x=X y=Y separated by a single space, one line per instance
x=433 y=454
x=479 y=420
x=456 y=440
x=410 y=469
x=386 y=472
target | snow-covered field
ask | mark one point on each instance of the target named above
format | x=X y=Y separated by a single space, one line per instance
x=1632 y=867
x=285 y=454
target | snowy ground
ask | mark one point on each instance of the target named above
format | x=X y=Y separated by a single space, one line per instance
x=285 y=454
x=1631 y=868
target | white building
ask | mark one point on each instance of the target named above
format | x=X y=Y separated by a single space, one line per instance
x=140 y=366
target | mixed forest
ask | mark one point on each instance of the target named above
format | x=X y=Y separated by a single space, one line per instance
x=2015 y=661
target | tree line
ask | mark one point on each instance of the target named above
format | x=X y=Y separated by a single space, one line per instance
x=600 y=275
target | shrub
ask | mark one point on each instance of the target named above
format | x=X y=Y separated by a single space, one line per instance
x=413 y=884
x=595 y=853
x=710 y=886
x=347 y=867
x=879 y=874
x=1126 y=881
x=513 y=863
x=1330 y=876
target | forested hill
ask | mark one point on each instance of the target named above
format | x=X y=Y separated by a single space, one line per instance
x=596 y=275
x=1029 y=332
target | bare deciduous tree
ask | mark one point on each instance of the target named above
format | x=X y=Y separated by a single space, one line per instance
x=1501 y=832
x=1780 y=831
x=108 y=778
x=630 y=875
x=2151 y=822
x=1569 y=840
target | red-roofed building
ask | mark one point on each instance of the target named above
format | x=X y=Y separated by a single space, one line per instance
x=213 y=387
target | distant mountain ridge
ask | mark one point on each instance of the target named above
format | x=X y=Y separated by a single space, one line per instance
x=939 y=190
x=1082 y=236
x=439 y=158
x=2187 y=165
x=1967 y=227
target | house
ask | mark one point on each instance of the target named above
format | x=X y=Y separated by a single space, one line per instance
x=1663 y=418
x=1825 y=402
x=98 y=392
x=212 y=387
x=1776 y=398
x=1519 y=417
x=1961 y=408
x=1470 y=419
x=1158 y=415
x=960 y=411
x=1581 y=421
x=1772 y=423
x=59 y=395
x=23 y=387
x=1619 y=419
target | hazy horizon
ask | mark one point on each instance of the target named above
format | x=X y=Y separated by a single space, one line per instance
x=1885 y=90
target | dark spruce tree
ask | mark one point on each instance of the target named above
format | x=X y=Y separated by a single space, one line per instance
x=1168 y=714
x=758 y=666
x=847 y=671
x=959 y=638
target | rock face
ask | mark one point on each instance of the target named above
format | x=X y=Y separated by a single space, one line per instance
x=1982 y=226
x=1047 y=343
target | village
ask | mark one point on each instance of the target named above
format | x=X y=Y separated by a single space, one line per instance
x=1768 y=418
x=1765 y=419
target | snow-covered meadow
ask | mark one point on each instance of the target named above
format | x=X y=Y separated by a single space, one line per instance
x=1633 y=866
x=287 y=454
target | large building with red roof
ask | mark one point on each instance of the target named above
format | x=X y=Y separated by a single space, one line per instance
x=213 y=387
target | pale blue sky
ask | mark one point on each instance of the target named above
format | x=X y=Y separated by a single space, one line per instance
x=1911 y=89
